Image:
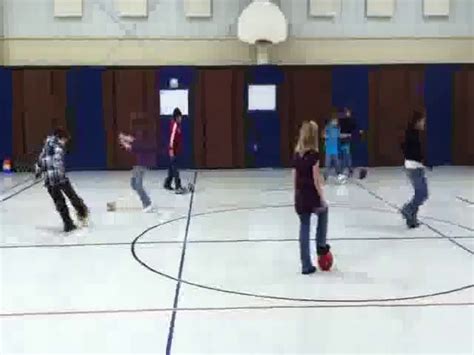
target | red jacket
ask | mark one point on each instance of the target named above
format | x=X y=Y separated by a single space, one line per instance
x=175 y=138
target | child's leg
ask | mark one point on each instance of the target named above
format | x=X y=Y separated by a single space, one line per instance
x=137 y=185
x=322 y=228
x=349 y=159
x=421 y=190
x=305 y=256
x=76 y=201
x=337 y=164
x=61 y=206
x=328 y=166
x=169 y=178
x=176 y=177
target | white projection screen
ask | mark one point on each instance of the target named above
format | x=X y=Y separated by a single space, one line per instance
x=262 y=98
x=170 y=99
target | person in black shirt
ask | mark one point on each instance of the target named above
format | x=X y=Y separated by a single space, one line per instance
x=415 y=168
x=309 y=196
x=348 y=128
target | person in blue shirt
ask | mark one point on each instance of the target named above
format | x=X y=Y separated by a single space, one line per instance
x=332 y=134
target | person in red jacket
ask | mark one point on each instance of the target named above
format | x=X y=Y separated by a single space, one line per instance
x=174 y=149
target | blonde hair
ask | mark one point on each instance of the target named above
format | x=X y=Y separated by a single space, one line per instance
x=308 y=138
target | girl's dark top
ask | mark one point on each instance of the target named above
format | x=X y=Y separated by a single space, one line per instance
x=307 y=199
x=145 y=152
x=412 y=146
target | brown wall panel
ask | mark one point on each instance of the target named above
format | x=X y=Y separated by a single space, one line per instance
x=238 y=116
x=39 y=106
x=19 y=144
x=306 y=95
x=217 y=113
x=128 y=95
x=394 y=92
x=198 y=127
x=108 y=113
x=463 y=118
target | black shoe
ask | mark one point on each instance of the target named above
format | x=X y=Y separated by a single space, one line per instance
x=413 y=224
x=70 y=228
x=309 y=271
x=167 y=185
x=323 y=250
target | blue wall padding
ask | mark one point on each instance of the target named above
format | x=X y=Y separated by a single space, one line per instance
x=6 y=116
x=86 y=119
x=186 y=78
x=263 y=127
x=439 y=110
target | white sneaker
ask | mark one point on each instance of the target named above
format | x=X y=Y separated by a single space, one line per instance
x=148 y=209
x=341 y=179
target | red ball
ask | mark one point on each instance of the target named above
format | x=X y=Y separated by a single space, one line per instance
x=325 y=261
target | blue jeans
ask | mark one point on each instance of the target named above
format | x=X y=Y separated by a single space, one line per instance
x=346 y=157
x=332 y=162
x=137 y=185
x=321 y=232
x=418 y=181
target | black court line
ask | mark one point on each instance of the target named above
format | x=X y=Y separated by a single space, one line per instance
x=10 y=188
x=224 y=241
x=280 y=298
x=465 y=200
x=20 y=191
x=169 y=342
x=237 y=308
x=365 y=188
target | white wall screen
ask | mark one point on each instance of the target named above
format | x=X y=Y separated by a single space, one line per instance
x=262 y=98
x=436 y=7
x=324 y=8
x=67 y=8
x=132 y=8
x=198 y=8
x=170 y=99
x=380 y=8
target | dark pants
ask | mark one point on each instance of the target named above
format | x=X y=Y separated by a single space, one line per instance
x=332 y=162
x=137 y=184
x=173 y=174
x=57 y=193
x=418 y=181
x=321 y=232
x=346 y=158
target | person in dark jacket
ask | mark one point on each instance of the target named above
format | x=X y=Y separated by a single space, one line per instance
x=415 y=168
x=51 y=164
x=309 y=196
x=174 y=150
x=348 y=130
x=145 y=158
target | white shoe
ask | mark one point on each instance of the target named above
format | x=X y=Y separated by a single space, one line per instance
x=341 y=179
x=148 y=209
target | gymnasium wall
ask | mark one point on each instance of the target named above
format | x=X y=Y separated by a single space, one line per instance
x=95 y=103
x=166 y=36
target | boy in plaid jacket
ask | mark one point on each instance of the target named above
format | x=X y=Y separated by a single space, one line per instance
x=51 y=164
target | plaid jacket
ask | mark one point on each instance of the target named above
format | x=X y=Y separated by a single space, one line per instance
x=51 y=162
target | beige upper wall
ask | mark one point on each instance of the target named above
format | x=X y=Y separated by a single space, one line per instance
x=106 y=51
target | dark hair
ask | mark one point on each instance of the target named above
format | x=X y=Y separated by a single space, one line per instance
x=176 y=113
x=61 y=133
x=416 y=117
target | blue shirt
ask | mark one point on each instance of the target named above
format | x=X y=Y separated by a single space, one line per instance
x=333 y=133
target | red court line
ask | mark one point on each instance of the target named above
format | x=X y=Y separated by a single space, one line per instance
x=241 y=308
